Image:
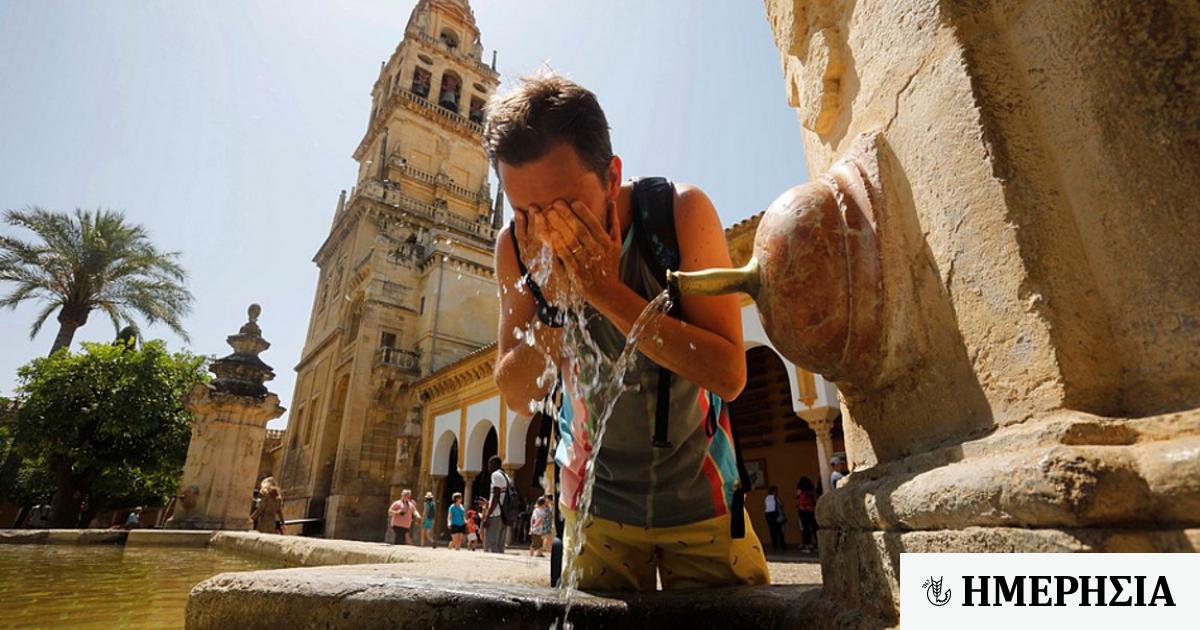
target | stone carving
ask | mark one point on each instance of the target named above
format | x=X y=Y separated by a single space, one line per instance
x=231 y=414
x=242 y=372
x=1000 y=392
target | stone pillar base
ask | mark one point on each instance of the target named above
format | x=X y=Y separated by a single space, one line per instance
x=1069 y=483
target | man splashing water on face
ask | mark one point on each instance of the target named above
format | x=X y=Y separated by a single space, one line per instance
x=667 y=498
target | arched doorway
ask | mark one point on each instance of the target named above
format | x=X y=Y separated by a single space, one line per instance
x=483 y=482
x=327 y=448
x=778 y=447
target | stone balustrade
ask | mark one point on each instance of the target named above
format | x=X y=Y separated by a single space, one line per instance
x=390 y=195
x=462 y=192
x=403 y=360
x=456 y=53
x=457 y=120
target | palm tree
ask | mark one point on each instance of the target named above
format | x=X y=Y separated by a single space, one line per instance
x=90 y=261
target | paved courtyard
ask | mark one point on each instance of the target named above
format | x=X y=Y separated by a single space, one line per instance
x=516 y=566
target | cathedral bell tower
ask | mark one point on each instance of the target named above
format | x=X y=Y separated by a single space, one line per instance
x=406 y=283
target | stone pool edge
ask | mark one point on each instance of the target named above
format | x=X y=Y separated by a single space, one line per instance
x=341 y=583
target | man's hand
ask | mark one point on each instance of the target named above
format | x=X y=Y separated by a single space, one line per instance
x=589 y=253
x=533 y=235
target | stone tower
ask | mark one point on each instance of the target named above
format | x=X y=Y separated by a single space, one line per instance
x=406 y=283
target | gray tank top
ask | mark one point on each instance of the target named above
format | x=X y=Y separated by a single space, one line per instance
x=637 y=483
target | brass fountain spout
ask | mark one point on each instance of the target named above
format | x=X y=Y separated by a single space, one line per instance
x=815 y=275
x=716 y=281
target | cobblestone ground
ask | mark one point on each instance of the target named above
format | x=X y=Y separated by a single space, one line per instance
x=516 y=566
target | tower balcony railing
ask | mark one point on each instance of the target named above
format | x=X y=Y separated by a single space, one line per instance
x=462 y=192
x=406 y=361
x=422 y=104
x=457 y=53
x=388 y=193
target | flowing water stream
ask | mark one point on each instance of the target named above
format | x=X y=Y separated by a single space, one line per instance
x=600 y=381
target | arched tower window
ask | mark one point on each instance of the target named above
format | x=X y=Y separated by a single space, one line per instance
x=451 y=85
x=421 y=80
x=449 y=38
x=476 y=114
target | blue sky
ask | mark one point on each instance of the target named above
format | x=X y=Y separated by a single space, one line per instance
x=226 y=126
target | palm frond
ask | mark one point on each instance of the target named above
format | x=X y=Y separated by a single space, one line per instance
x=93 y=260
x=41 y=318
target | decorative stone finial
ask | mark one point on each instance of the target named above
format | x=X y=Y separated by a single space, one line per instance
x=242 y=372
x=251 y=325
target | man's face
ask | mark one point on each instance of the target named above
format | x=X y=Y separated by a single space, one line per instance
x=559 y=175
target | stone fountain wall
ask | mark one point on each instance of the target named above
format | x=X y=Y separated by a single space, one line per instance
x=1033 y=167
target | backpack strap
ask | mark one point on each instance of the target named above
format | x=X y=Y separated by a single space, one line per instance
x=737 y=521
x=547 y=427
x=653 y=202
x=549 y=314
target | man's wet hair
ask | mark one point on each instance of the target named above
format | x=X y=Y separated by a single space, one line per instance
x=544 y=110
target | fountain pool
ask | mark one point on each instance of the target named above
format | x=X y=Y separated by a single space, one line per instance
x=107 y=586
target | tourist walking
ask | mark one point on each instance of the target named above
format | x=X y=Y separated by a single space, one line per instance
x=473 y=527
x=840 y=470
x=401 y=513
x=541 y=528
x=495 y=528
x=773 y=508
x=456 y=521
x=268 y=517
x=806 y=508
x=430 y=508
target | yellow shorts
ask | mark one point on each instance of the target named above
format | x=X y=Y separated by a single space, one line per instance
x=618 y=557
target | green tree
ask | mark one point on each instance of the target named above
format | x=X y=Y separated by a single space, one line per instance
x=90 y=261
x=106 y=424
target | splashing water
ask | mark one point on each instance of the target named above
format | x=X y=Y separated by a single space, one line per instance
x=605 y=391
x=601 y=381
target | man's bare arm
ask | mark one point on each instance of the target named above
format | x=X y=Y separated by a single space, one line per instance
x=518 y=365
x=706 y=346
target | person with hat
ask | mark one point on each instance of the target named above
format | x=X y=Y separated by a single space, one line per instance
x=427 y=522
x=840 y=470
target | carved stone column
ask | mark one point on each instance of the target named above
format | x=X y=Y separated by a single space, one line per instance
x=821 y=421
x=232 y=413
x=437 y=485
x=468 y=482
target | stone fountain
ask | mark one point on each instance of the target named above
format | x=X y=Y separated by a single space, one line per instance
x=231 y=414
x=997 y=266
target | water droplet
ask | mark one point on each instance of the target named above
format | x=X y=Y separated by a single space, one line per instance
x=691 y=345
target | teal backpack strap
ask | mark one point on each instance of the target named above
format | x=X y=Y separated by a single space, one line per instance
x=654 y=220
x=737 y=503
